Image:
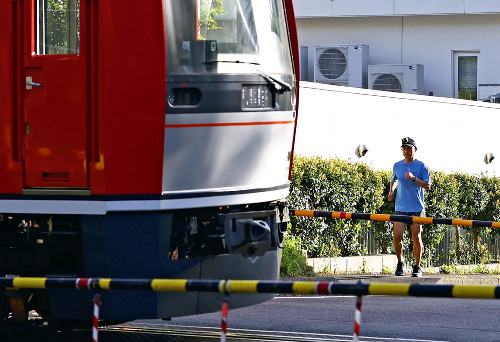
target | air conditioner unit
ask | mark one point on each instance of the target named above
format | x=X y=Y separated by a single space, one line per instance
x=341 y=64
x=399 y=78
x=304 y=62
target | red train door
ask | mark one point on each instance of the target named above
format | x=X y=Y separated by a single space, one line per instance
x=55 y=81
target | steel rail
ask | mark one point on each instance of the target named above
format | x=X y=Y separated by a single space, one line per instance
x=195 y=333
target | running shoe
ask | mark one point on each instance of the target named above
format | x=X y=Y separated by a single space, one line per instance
x=417 y=271
x=400 y=268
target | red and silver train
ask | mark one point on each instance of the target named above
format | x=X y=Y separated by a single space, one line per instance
x=143 y=139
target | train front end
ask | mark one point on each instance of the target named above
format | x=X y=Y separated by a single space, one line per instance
x=183 y=179
x=229 y=129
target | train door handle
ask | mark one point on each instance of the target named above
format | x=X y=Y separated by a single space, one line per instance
x=30 y=84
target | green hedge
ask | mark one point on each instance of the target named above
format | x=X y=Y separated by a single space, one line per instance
x=340 y=185
x=293 y=262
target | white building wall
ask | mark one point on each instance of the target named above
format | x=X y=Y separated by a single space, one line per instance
x=350 y=8
x=451 y=135
x=432 y=39
x=427 y=40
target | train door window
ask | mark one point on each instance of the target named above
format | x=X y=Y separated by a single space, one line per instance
x=465 y=73
x=57 y=27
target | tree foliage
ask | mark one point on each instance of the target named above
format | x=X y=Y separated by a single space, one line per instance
x=62 y=16
x=210 y=10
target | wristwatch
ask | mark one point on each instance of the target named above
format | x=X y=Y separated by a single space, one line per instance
x=414 y=178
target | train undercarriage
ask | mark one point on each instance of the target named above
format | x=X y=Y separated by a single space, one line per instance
x=132 y=245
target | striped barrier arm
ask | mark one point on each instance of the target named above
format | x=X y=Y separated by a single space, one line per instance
x=95 y=319
x=397 y=218
x=252 y=286
x=225 y=305
x=357 y=319
x=97 y=284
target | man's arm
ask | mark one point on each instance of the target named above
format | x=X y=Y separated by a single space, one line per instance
x=421 y=183
x=391 y=191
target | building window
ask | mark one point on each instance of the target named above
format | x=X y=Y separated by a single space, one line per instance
x=465 y=67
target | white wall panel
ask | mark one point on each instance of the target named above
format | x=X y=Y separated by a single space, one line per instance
x=426 y=7
x=344 y=8
x=451 y=135
x=313 y=8
x=427 y=40
x=430 y=40
x=481 y=6
x=349 y=8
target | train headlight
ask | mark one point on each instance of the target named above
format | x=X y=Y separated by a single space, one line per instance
x=187 y=97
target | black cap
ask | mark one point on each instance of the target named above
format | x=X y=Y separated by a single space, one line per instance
x=408 y=142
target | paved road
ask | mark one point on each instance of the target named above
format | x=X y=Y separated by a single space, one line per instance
x=455 y=279
x=432 y=319
x=294 y=318
x=393 y=318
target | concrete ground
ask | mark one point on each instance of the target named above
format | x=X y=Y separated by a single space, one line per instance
x=380 y=268
x=452 y=279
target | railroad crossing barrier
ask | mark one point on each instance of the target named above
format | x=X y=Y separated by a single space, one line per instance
x=256 y=286
x=225 y=305
x=227 y=287
x=357 y=319
x=397 y=218
x=95 y=320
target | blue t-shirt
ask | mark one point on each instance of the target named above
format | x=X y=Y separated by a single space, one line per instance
x=409 y=196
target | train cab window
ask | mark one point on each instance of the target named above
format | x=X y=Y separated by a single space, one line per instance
x=230 y=36
x=57 y=27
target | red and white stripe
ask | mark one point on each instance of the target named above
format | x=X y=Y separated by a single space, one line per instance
x=95 y=322
x=224 y=318
x=357 y=319
x=83 y=283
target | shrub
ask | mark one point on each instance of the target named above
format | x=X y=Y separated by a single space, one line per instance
x=340 y=185
x=293 y=263
x=442 y=200
x=384 y=230
x=447 y=269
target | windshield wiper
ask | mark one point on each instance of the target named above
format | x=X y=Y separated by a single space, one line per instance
x=278 y=85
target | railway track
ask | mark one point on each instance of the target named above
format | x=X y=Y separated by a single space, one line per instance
x=174 y=333
x=164 y=332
